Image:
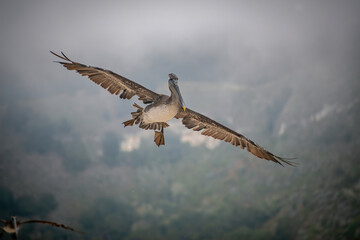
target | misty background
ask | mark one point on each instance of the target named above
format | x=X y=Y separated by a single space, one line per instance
x=283 y=73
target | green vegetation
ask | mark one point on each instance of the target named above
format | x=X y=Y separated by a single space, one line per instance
x=107 y=218
x=25 y=205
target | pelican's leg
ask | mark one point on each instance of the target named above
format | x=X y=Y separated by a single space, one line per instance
x=159 y=136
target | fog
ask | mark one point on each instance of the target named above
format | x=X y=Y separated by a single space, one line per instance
x=283 y=73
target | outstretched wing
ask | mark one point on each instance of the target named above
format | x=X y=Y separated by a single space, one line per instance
x=209 y=127
x=54 y=224
x=113 y=82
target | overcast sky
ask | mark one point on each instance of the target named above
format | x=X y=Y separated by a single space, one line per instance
x=236 y=37
x=312 y=47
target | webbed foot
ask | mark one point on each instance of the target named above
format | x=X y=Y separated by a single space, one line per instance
x=159 y=138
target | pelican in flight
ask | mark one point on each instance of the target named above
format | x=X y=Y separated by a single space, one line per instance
x=13 y=226
x=161 y=108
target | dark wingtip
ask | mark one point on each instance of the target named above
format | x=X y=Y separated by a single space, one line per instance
x=64 y=57
x=287 y=161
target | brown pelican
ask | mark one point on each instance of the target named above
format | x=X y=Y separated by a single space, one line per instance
x=13 y=226
x=162 y=108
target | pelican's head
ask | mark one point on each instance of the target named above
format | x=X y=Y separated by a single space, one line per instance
x=13 y=221
x=174 y=88
x=173 y=76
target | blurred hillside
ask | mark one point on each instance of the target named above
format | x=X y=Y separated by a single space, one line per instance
x=184 y=192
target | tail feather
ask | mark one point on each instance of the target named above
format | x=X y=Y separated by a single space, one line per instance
x=138 y=107
x=129 y=122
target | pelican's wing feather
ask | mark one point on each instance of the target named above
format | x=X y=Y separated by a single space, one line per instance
x=209 y=127
x=111 y=81
x=54 y=224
